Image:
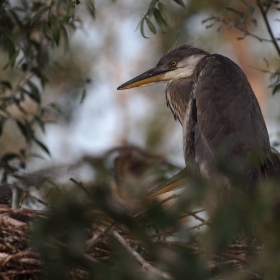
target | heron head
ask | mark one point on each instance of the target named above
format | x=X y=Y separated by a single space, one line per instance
x=178 y=63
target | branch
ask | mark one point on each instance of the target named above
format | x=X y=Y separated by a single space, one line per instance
x=238 y=27
x=140 y=260
x=264 y=15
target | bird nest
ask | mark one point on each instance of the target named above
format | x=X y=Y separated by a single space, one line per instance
x=18 y=259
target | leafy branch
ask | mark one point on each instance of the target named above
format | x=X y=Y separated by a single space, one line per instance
x=161 y=14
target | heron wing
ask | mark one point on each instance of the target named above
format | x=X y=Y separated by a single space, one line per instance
x=229 y=119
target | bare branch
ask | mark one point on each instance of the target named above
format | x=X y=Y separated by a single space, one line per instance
x=139 y=259
x=264 y=15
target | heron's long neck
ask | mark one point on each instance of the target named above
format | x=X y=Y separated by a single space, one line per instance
x=178 y=96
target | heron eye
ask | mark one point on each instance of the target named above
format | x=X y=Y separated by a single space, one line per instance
x=6 y=197
x=173 y=63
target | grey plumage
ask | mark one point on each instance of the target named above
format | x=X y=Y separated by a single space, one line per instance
x=221 y=118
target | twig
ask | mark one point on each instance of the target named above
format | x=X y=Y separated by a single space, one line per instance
x=264 y=13
x=192 y=213
x=139 y=259
x=199 y=225
x=238 y=27
x=91 y=241
x=79 y=184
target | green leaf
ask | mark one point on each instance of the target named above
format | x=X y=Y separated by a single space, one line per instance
x=151 y=26
x=150 y=11
x=84 y=92
x=160 y=21
x=39 y=14
x=34 y=92
x=43 y=147
x=166 y=14
x=275 y=89
x=12 y=60
x=56 y=107
x=142 y=28
x=40 y=122
x=55 y=28
x=65 y=35
x=41 y=75
x=91 y=7
x=180 y=2
x=70 y=8
x=25 y=130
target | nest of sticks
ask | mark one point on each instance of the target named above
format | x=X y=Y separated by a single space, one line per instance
x=18 y=260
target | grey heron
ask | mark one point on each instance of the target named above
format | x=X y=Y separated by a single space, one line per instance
x=221 y=118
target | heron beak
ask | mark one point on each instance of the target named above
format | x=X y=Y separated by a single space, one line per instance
x=177 y=181
x=149 y=77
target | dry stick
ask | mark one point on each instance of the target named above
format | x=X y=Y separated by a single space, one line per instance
x=191 y=213
x=197 y=217
x=79 y=184
x=139 y=259
x=91 y=241
x=199 y=226
x=22 y=198
x=273 y=40
x=38 y=199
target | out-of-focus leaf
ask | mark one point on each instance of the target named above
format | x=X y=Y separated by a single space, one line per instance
x=65 y=35
x=42 y=146
x=12 y=60
x=55 y=27
x=41 y=75
x=151 y=8
x=34 y=92
x=142 y=28
x=180 y=2
x=255 y=22
x=84 y=93
x=91 y=7
x=1 y=125
x=9 y=156
x=6 y=84
x=56 y=107
x=26 y=130
x=39 y=14
x=232 y=10
x=275 y=89
x=252 y=10
x=166 y=14
x=160 y=21
x=70 y=8
x=40 y=122
x=151 y=26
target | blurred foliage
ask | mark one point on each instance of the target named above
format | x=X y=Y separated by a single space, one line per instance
x=29 y=32
x=105 y=228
